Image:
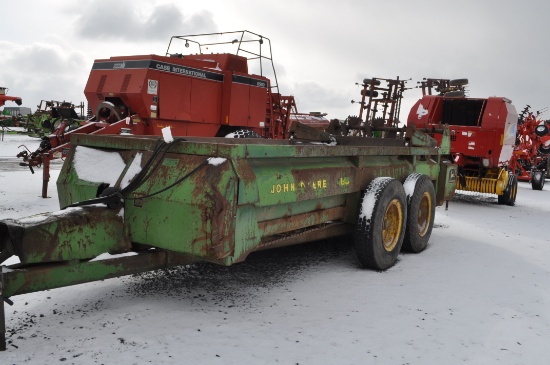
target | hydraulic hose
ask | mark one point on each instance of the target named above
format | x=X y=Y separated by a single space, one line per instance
x=114 y=197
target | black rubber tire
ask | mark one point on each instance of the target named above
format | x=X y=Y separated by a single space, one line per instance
x=381 y=224
x=371 y=93
x=454 y=94
x=48 y=124
x=509 y=196
x=514 y=193
x=545 y=150
x=537 y=180
x=369 y=82
x=541 y=130
x=243 y=133
x=420 y=193
x=458 y=82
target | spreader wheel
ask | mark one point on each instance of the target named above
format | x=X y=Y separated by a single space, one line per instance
x=537 y=180
x=420 y=212
x=509 y=196
x=381 y=224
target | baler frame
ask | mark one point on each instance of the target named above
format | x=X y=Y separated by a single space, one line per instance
x=483 y=132
x=110 y=117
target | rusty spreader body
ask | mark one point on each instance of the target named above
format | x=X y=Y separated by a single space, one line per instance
x=210 y=199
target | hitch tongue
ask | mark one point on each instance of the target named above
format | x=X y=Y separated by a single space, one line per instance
x=71 y=234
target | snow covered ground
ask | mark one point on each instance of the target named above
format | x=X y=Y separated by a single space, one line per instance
x=479 y=294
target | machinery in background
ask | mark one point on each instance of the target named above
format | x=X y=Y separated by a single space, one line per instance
x=483 y=135
x=201 y=94
x=4 y=97
x=379 y=107
x=7 y=119
x=49 y=116
x=530 y=158
x=179 y=199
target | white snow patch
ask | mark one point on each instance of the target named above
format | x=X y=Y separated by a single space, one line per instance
x=332 y=143
x=215 y=161
x=230 y=135
x=63 y=212
x=107 y=256
x=410 y=184
x=39 y=218
x=34 y=219
x=133 y=170
x=98 y=166
x=167 y=134
x=371 y=195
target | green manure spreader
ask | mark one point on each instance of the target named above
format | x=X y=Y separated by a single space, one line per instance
x=131 y=204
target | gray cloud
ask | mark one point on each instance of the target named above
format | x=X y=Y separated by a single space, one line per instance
x=43 y=72
x=499 y=47
x=313 y=97
x=122 y=21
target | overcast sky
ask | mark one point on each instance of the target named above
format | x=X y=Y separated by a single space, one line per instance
x=321 y=48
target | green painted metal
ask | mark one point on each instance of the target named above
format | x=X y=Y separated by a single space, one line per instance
x=258 y=194
x=35 y=278
x=201 y=199
x=74 y=234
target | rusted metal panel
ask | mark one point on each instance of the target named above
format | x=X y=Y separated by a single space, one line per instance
x=292 y=223
x=323 y=231
x=30 y=279
x=75 y=234
x=285 y=181
x=215 y=214
x=258 y=194
x=194 y=217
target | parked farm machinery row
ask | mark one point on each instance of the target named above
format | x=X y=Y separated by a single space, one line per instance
x=3 y=98
x=175 y=199
x=483 y=135
x=50 y=114
x=530 y=158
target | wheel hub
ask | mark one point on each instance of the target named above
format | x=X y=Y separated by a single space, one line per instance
x=393 y=224
x=424 y=216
